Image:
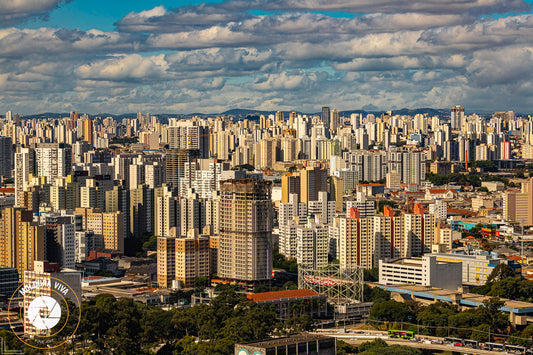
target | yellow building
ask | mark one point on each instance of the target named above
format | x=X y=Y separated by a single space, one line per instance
x=182 y=259
x=108 y=225
x=21 y=240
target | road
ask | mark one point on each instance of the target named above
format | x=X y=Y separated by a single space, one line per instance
x=369 y=335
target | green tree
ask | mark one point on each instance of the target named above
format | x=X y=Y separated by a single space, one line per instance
x=150 y=244
x=481 y=333
x=371 y=275
x=437 y=315
x=391 y=311
x=343 y=348
x=11 y=342
x=500 y=272
x=489 y=313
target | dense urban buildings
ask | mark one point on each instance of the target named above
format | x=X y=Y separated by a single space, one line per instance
x=216 y=200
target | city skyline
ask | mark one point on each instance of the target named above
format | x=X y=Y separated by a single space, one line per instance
x=189 y=56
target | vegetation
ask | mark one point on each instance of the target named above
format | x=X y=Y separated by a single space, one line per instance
x=280 y=262
x=246 y=167
x=123 y=326
x=377 y=346
x=123 y=140
x=511 y=288
x=384 y=203
x=150 y=244
x=486 y=165
x=460 y=179
x=443 y=319
x=371 y=275
x=501 y=272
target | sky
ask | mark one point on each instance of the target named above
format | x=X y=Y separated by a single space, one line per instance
x=162 y=56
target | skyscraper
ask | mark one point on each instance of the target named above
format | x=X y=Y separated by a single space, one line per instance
x=6 y=156
x=457 y=117
x=245 y=253
x=88 y=130
x=326 y=118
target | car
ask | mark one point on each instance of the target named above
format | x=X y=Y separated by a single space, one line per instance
x=458 y=344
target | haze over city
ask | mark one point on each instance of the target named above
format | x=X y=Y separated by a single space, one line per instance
x=191 y=56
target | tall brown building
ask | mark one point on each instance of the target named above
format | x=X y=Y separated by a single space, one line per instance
x=312 y=181
x=246 y=246
x=88 y=131
x=21 y=240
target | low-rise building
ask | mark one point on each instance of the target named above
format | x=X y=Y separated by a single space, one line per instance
x=291 y=303
x=476 y=268
x=301 y=344
x=425 y=271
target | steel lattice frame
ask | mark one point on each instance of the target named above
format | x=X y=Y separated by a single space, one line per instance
x=341 y=286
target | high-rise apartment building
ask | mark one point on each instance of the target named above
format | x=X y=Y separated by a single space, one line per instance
x=246 y=244
x=356 y=241
x=60 y=240
x=24 y=167
x=108 y=226
x=312 y=181
x=6 y=156
x=312 y=244
x=189 y=135
x=457 y=117
x=53 y=160
x=183 y=259
x=518 y=206
x=326 y=118
x=21 y=240
x=88 y=131
x=141 y=211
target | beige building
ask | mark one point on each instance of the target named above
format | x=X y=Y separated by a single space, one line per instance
x=21 y=240
x=182 y=259
x=246 y=244
x=482 y=202
x=518 y=206
x=108 y=225
x=290 y=184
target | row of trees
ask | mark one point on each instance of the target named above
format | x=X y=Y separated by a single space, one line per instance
x=376 y=347
x=111 y=326
x=445 y=319
x=510 y=287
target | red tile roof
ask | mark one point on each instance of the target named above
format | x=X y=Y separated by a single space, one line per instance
x=277 y=295
x=441 y=191
x=514 y=257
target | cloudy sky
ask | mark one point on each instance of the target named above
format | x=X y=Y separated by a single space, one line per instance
x=189 y=56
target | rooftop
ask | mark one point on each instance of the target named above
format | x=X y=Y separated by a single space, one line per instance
x=278 y=295
x=298 y=338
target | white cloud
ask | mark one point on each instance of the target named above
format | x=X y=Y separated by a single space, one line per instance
x=211 y=57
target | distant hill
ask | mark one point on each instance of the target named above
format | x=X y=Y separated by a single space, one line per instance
x=240 y=114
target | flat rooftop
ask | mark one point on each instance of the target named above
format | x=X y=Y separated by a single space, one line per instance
x=294 y=339
x=466 y=299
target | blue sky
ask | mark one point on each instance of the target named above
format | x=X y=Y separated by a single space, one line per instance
x=192 y=56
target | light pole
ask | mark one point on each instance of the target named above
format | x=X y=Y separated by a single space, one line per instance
x=522 y=247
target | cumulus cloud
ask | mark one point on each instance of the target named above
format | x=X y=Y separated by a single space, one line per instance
x=288 y=54
x=15 y=11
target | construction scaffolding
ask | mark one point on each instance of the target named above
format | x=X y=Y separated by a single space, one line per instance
x=341 y=286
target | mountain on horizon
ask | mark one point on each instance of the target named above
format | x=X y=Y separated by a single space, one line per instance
x=240 y=114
